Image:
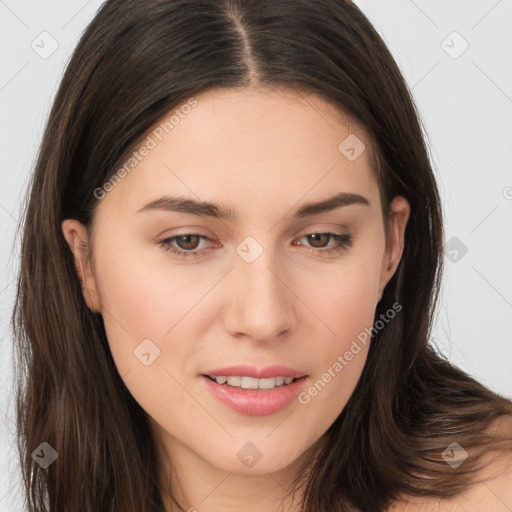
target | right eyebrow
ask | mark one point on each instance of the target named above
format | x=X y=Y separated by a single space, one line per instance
x=179 y=204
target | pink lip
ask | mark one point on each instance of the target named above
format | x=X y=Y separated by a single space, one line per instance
x=256 y=402
x=257 y=373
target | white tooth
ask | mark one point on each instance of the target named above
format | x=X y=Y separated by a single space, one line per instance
x=253 y=383
x=249 y=383
x=269 y=383
x=234 y=381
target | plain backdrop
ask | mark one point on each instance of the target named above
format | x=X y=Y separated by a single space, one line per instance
x=456 y=57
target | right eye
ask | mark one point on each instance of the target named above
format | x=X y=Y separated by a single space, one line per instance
x=186 y=244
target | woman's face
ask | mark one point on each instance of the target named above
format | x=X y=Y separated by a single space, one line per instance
x=258 y=289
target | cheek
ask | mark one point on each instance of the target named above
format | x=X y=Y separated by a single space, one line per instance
x=151 y=328
x=148 y=296
x=340 y=357
x=144 y=299
x=345 y=302
x=345 y=299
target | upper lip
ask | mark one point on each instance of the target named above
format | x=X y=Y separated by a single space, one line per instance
x=257 y=373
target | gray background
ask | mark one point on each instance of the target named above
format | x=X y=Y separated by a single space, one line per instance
x=465 y=100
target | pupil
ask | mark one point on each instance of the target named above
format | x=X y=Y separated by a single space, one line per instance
x=184 y=241
x=316 y=237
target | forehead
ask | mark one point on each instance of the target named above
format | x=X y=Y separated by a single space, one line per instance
x=248 y=144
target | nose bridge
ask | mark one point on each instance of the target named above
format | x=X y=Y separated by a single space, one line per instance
x=262 y=306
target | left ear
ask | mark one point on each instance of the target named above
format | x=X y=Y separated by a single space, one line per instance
x=398 y=217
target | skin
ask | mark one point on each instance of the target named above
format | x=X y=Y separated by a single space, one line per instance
x=263 y=154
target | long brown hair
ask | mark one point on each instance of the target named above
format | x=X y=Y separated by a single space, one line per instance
x=137 y=60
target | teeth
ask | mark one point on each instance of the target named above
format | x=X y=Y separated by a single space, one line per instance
x=249 y=383
x=252 y=383
x=269 y=383
x=234 y=381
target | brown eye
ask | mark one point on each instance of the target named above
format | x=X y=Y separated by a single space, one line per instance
x=320 y=243
x=187 y=242
x=319 y=239
x=185 y=245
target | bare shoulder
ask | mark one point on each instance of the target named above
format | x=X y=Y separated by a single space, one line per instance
x=491 y=493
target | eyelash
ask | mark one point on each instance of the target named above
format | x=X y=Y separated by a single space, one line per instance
x=342 y=243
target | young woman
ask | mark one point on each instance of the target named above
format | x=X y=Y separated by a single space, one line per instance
x=231 y=258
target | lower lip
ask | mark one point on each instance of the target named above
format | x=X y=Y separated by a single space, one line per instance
x=255 y=402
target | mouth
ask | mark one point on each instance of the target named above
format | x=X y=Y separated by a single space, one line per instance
x=255 y=392
x=245 y=382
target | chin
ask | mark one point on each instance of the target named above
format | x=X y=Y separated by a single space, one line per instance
x=256 y=458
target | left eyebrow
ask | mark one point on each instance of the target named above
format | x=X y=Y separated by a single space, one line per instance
x=337 y=201
x=201 y=208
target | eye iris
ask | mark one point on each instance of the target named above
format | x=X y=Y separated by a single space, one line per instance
x=314 y=238
x=184 y=242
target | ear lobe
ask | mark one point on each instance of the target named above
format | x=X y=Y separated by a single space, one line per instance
x=399 y=216
x=76 y=236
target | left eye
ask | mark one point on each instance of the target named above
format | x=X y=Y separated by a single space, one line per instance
x=319 y=243
x=319 y=240
x=187 y=244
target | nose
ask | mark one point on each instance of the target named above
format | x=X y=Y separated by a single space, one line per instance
x=261 y=306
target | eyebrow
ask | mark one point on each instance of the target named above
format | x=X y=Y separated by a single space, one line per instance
x=202 y=208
